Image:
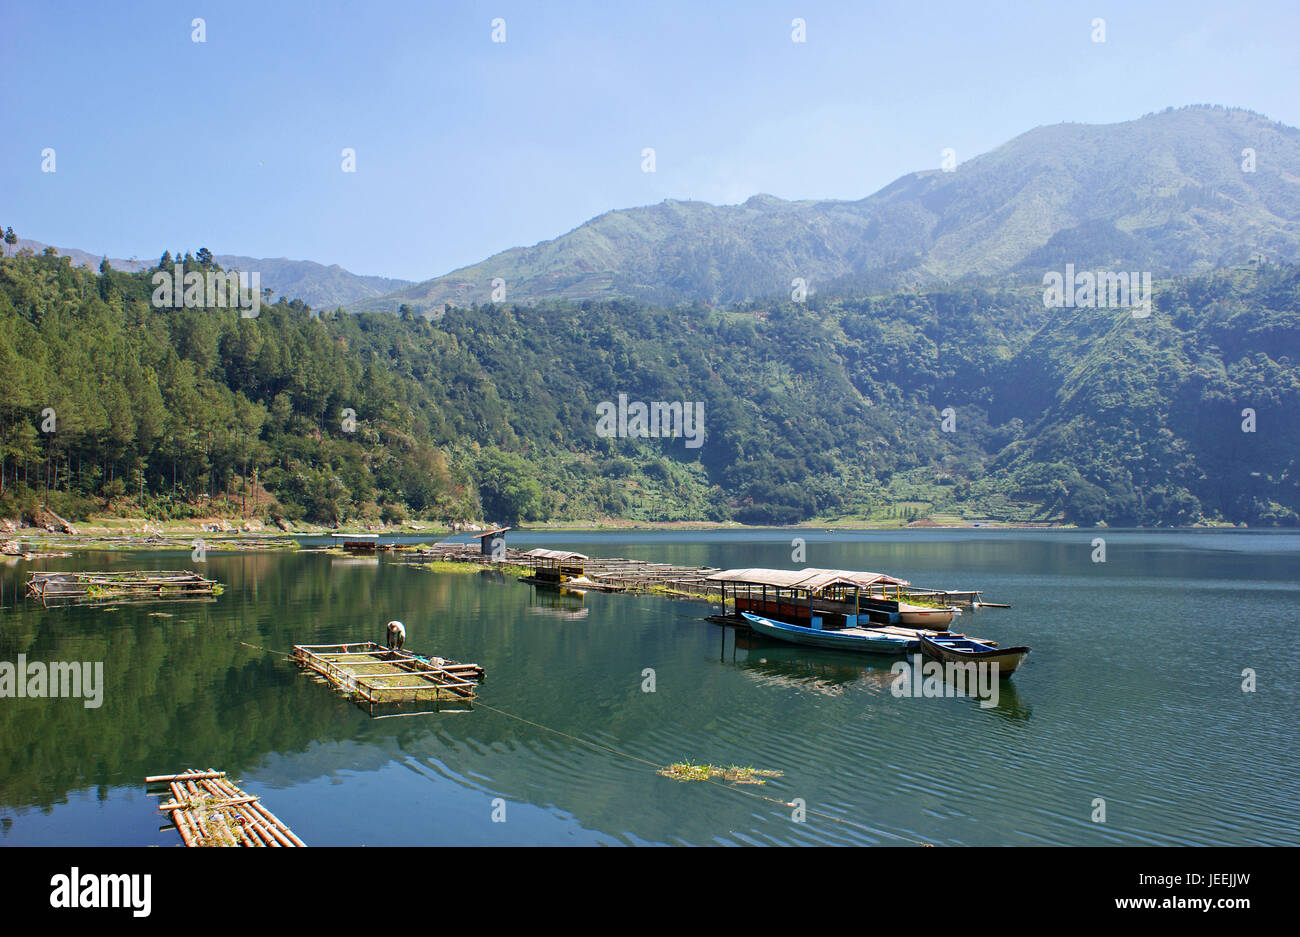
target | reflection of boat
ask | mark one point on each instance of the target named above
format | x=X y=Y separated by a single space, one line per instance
x=963 y=650
x=866 y=640
x=1011 y=706
x=823 y=670
x=833 y=673
x=785 y=662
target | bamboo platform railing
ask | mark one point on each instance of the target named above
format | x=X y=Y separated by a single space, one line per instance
x=208 y=810
x=374 y=674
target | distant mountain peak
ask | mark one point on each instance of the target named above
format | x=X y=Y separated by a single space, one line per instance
x=1167 y=192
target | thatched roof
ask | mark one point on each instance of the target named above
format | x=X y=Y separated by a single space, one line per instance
x=811 y=579
x=541 y=554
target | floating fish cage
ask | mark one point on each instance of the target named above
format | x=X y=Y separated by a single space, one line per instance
x=362 y=543
x=373 y=674
x=135 y=584
x=206 y=809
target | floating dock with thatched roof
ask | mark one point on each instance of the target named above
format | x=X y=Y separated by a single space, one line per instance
x=206 y=809
x=577 y=572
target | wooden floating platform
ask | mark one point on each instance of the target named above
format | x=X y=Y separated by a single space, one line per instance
x=133 y=584
x=618 y=574
x=363 y=543
x=208 y=810
x=374 y=674
x=582 y=584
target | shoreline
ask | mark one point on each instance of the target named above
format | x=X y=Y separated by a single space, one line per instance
x=133 y=534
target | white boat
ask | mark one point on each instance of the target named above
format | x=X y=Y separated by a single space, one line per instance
x=920 y=616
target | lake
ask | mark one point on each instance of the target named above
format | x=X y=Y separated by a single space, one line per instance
x=1133 y=694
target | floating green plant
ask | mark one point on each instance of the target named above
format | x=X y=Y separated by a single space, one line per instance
x=925 y=601
x=689 y=771
x=454 y=566
x=448 y=566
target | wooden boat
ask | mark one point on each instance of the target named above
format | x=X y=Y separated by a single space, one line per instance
x=867 y=640
x=963 y=650
x=919 y=616
x=884 y=609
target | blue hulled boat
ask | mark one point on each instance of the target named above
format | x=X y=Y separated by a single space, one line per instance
x=867 y=640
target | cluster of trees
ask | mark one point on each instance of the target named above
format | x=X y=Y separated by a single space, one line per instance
x=974 y=400
x=109 y=399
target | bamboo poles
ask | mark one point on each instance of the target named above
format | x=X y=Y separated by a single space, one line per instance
x=206 y=809
x=138 y=584
x=376 y=674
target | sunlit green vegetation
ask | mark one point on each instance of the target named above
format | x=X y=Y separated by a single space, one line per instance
x=830 y=409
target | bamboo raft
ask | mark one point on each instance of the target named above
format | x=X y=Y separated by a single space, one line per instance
x=618 y=574
x=134 y=584
x=208 y=810
x=371 y=673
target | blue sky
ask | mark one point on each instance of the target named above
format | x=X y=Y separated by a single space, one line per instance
x=465 y=147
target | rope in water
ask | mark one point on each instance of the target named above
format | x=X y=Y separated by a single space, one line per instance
x=651 y=764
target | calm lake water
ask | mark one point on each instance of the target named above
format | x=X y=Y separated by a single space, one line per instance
x=1133 y=694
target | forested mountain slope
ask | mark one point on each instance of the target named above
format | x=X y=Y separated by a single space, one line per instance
x=826 y=409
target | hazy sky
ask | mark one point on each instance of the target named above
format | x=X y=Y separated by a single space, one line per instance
x=465 y=146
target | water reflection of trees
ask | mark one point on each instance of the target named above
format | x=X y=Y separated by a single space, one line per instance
x=180 y=687
x=184 y=691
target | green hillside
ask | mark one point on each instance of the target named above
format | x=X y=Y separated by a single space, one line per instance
x=830 y=409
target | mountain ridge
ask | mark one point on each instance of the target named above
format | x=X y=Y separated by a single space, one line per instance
x=319 y=285
x=1166 y=191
